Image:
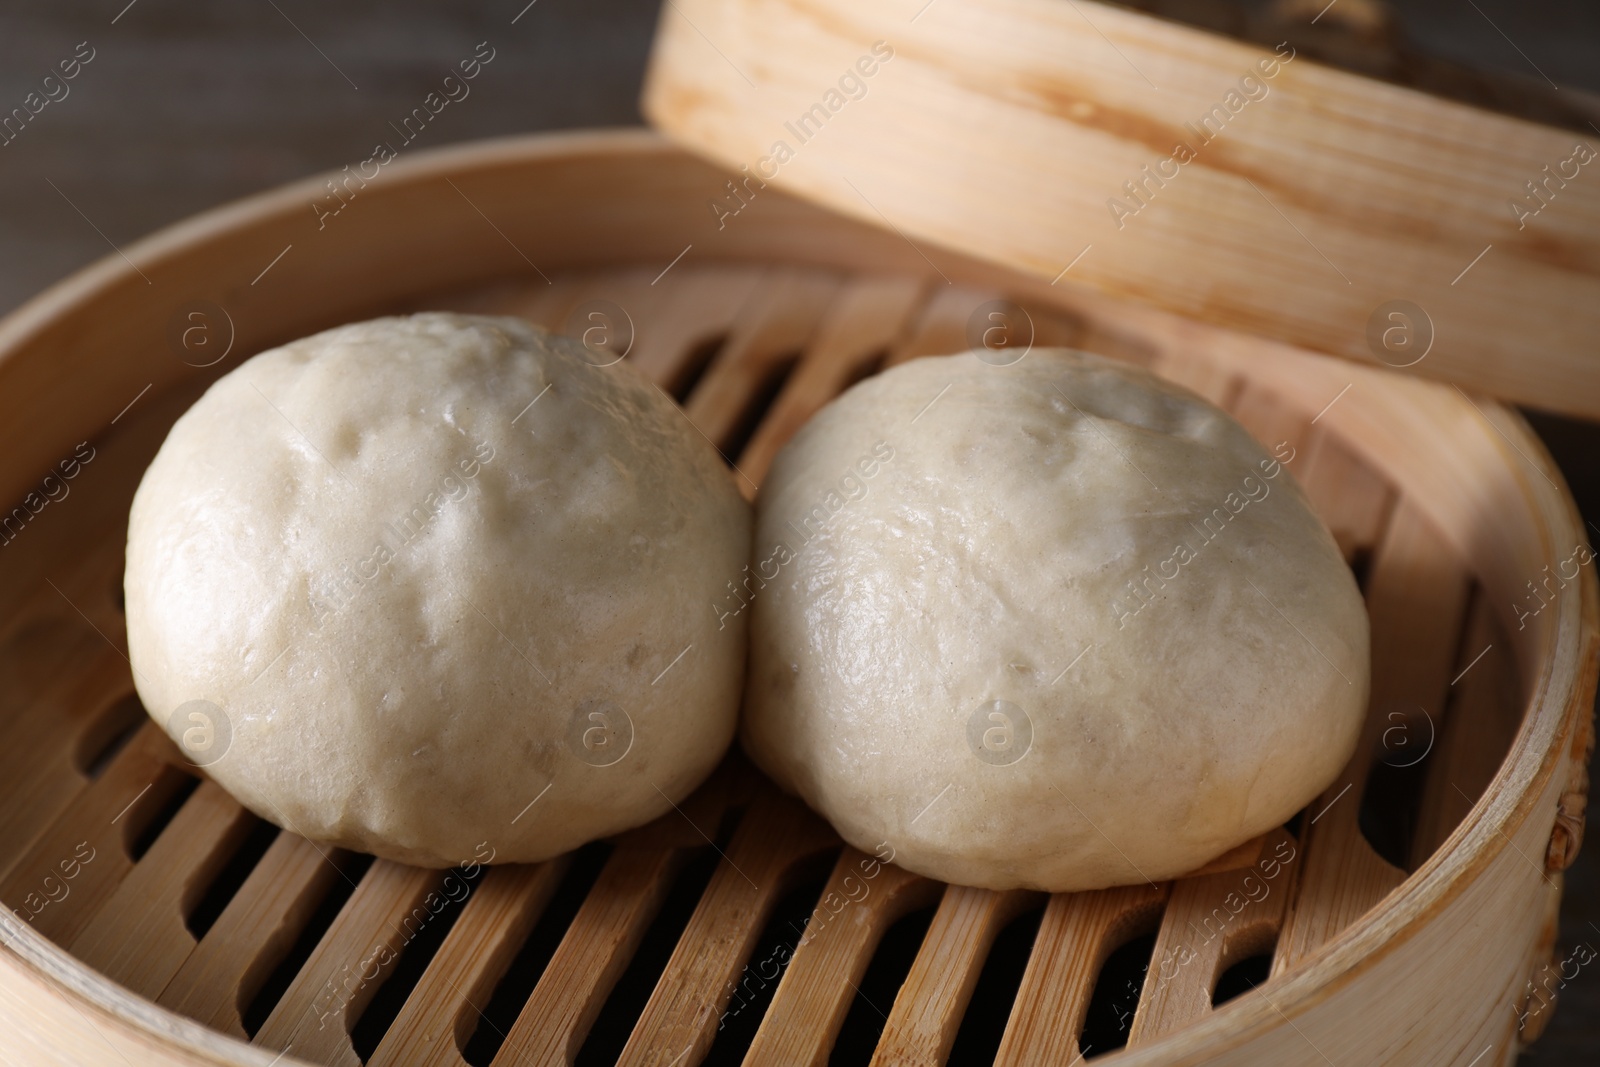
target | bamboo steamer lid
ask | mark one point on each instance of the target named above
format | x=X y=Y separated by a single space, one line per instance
x=1240 y=184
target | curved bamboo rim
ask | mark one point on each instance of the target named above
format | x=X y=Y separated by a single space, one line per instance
x=1557 y=692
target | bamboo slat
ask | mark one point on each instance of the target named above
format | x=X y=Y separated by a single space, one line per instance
x=858 y=330
x=941 y=328
x=315 y=1015
x=611 y=922
x=254 y=931
x=93 y=836
x=1415 y=584
x=139 y=938
x=927 y=1011
x=1077 y=933
x=1271 y=422
x=681 y=1016
x=591 y=958
x=436 y=1020
x=1479 y=723
x=1347 y=496
x=831 y=958
x=1217 y=383
x=704 y=305
x=1210 y=924
x=41 y=749
x=772 y=330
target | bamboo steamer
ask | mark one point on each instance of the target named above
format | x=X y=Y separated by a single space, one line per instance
x=152 y=921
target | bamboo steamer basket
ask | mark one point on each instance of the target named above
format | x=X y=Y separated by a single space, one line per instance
x=152 y=921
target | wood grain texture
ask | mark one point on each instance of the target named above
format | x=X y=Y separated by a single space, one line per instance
x=1210 y=924
x=830 y=960
x=927 y=1011
x=680 y=1019
x=854 y=338
x=98 y=832
x=438 y=1016
x=315 y=1015
x=1077 y=933
x=1348 y=496
x=1415 y=585
x=50 y=720
x=1479 y=722
x=591 y=957
x=1304 y=199
x=612 y=921
x=253 y=933
x=140 y=937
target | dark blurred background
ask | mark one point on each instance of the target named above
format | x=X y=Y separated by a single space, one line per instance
x=188 y=104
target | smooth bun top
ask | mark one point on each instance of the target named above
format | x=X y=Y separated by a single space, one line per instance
x=1058 y=624
x=430 y=570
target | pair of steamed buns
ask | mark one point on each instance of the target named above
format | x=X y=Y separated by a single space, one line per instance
x=423 y=585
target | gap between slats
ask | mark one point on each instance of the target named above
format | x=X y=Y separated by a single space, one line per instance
x=862 y=899
x=254 y=932
x=680 y=1019
x=1416 y=598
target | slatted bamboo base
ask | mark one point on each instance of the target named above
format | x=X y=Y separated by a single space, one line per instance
x=739 y=929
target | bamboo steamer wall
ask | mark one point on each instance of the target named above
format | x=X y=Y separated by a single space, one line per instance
x=187 y=934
